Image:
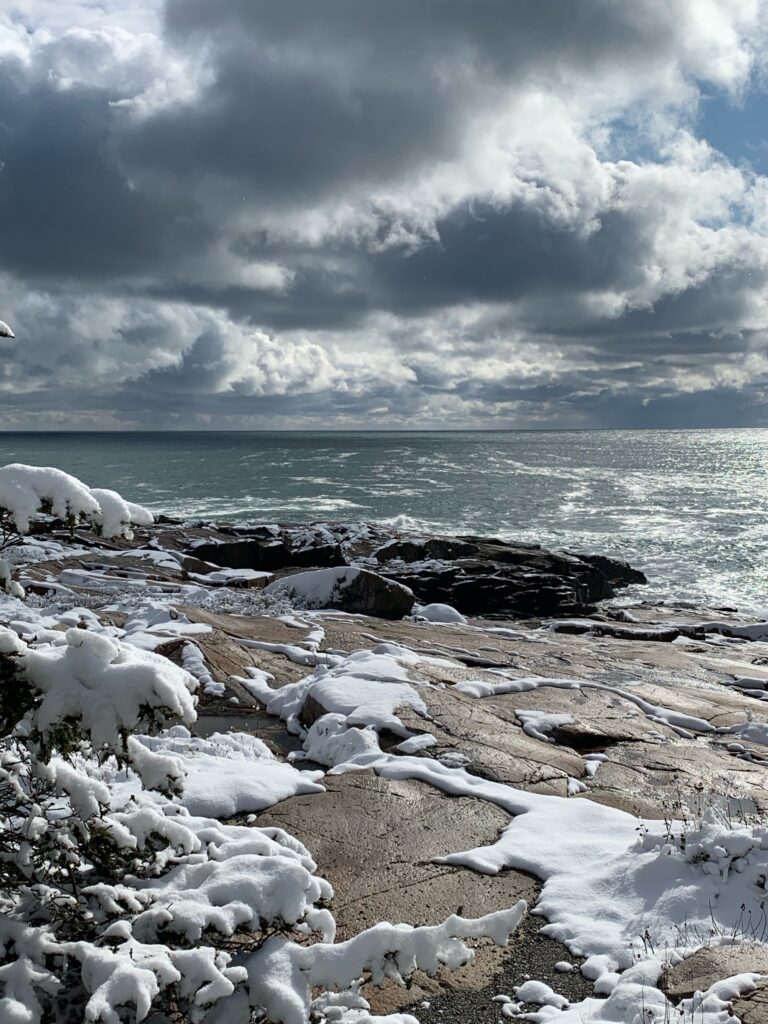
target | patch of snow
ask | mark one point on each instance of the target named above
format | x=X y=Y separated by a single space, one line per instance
x=416 y=743
x=508 y=684
x=7 y=582
x=230 y=773
x=154 y=622
x=592 y=763
x=193 y=661
x=367 y=687
x=754 y=631
x=540 y=724
x=298 y=655
x=635 y=999
x=225 y=577
x=604 y=886
x=684 y=725
x=440 y=613
x=539 y=993
x=575 y=786
x=751 y=732
x=331 y=738
x=257 y=680
x=384 y=951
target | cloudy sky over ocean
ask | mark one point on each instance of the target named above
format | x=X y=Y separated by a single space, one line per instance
x=384 y=213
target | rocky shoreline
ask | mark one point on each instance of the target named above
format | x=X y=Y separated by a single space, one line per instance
x=480 y=576
x=531 y=687
x=476 y=575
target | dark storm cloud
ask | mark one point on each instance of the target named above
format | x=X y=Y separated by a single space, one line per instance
x=66 y=207
x=717 y=407
x=287 y=137
x=504 y=38
x=498 y=255
x=318 y=299
x=310 y=98
x=398 y=212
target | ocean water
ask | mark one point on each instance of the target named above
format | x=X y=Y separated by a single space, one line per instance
x=690 y=508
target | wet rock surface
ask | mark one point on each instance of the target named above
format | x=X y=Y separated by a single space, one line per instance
x=647 y=768
x=486 y=739
x=753 y=1009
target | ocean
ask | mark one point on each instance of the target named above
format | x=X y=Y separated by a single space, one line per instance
x=689 y=507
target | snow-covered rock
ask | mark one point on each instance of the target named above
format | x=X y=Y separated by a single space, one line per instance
x=348 y=589
x=441 y=613
x=539 y=993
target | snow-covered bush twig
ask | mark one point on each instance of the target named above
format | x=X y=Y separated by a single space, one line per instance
x=64 y=707
x=27 y=492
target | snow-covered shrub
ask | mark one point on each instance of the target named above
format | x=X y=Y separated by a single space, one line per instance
x=716 y=843
x=66 y=709
x=27 y=492
x=60 y=706
x=116 y=515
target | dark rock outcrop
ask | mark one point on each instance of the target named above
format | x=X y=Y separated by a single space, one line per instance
x=656 y=634
x=318 y=555
x=476 y=575
x=618 y=572
x=443 y=548
x=268 y=553
x=488 y=577
x=371 y=594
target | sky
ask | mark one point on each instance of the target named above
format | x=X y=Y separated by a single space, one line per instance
x=333 y=214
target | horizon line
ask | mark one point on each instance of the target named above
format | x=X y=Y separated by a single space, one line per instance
x=366 y=430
